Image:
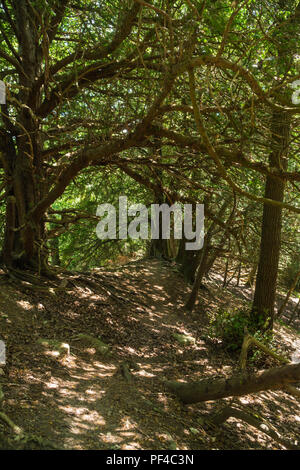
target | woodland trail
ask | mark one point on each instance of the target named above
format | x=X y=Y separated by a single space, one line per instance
x=83 y=401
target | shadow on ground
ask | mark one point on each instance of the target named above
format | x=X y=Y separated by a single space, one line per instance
x=82 y=401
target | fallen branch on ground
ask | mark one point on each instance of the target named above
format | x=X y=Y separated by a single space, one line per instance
x=241 y=384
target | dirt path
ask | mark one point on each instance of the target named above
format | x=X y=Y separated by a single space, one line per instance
x=83 y=401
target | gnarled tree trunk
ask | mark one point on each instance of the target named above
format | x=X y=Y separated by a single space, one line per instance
x=21 y=156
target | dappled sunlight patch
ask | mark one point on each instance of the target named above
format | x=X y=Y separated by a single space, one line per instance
x=110 y=438
x=93 y=393
x=127 y=423
x=91 y=351
x=85 y=396
x=287 y=340
x=106 y=367
x=84 y=417
x=131 y=350
x=144 y=373
x=131 y=446
x=52 y=385
x=67 y=392
x=24 y=304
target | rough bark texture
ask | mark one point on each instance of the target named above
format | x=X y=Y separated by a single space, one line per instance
x=22 y=157
x=30 y=188
x=265 y=288
x=199 y=276
x=242 y=384
x=188 y=261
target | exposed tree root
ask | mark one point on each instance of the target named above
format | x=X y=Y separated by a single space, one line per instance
x=21 y=437
x=125 y=369
x=231 y=412
x=99 y=283
x=293 y=391
x=16 y=429
x=35 y=283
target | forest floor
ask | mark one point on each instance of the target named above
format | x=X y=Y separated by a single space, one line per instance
x=82 y=400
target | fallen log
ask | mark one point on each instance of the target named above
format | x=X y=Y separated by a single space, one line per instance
x=243 y=383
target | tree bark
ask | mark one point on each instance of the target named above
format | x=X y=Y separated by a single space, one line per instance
x=251 y=277
x=290 y=291
x=31 y=184
x=239 y=385
x=188 y=261
x=265 y=287
x=24 y=247
x=190 y=304
x=54 y=250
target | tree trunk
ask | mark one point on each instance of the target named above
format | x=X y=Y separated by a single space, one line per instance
x=265 y=288
x=159 y=249
x=225 y=273
x=23 y=241
x=191 y=259
x=206 y=262
x=251 y=277
x=239 y=385
x=23 y=245
x=54 y=250
x=188 y=261
x=290 y=291
x=199 y=276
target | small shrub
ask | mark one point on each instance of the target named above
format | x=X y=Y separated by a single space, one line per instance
x=229 y=326
x=256 y=356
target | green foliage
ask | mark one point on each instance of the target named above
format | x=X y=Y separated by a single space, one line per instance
x=230 y=326
x=79 y=247
x=267 y=339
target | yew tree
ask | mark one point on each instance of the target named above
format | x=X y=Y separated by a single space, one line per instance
x=51 y=55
